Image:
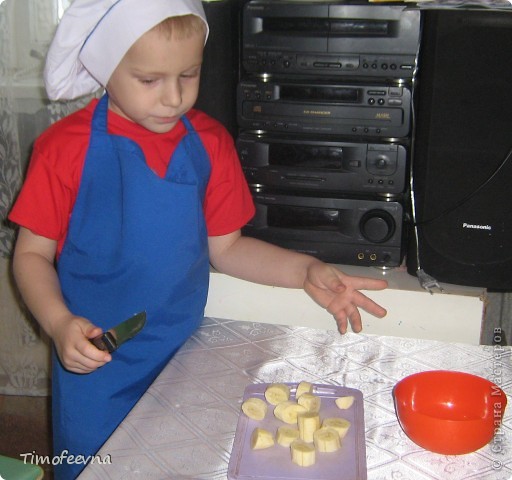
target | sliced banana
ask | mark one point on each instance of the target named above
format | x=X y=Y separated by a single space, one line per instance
x=344 y=402
x=303 y=454
x=339 y=424
x=255 y=408
x=326 y=439
x=310 y=401
x=286 y=435
x=277 y=393
x=303 y=387
x=287 y=411
x=308 y=422
x=261 y=438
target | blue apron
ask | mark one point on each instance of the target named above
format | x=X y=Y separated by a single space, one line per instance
x=135 y=242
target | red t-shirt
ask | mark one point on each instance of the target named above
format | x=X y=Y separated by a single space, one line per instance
x=48 y=195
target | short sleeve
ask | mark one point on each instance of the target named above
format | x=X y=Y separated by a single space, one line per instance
x=228 y=203
x=47 y=197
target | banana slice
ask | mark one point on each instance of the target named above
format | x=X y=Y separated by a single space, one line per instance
x=286 y=435
x=287 y=411
x=277 y=393
x=255 y=408
x=326 y=439
x=308 y=422
x=344 y=402
x=303 y=454
x=261 y=438
x=303 y=387
x=310 y=401
x=339 y=424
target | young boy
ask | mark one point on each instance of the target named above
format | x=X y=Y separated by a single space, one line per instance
x=132 y=198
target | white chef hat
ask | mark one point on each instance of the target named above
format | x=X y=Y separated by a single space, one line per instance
x=94 y=35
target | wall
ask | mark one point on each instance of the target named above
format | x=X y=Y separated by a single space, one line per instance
x=455 y=315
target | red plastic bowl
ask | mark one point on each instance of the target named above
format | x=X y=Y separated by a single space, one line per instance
x=449 y=412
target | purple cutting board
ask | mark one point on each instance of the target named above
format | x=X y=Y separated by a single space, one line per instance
x=274 y=463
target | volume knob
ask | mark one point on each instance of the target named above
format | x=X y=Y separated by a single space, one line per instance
x=377 y=226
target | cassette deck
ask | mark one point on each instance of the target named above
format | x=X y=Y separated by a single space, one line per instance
x=323 y=165
x=330 y=39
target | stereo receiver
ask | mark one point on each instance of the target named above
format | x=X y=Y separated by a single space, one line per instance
x=324 y=108
x=337 y=230
x=293 y=162
x=330 y=38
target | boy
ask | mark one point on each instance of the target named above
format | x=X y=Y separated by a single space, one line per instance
x=133 y=198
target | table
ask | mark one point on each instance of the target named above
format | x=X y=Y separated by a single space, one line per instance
x=184 y=425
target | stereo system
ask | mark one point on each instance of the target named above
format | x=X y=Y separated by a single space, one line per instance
x=324 y=130
x=324 y=111
x=339 y=230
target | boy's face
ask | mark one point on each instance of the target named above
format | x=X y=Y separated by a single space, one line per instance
x=157 y=81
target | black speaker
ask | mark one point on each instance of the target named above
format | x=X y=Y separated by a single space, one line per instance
x=220 y=69
x=461 y=164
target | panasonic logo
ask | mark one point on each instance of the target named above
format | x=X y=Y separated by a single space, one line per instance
x=476 y=227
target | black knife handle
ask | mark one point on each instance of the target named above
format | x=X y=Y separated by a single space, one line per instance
x=105 y=342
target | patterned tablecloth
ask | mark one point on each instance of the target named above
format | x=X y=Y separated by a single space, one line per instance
x=183 y=427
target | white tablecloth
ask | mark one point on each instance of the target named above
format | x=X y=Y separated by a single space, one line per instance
x=183 y=427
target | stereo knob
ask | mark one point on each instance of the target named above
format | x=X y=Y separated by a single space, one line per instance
x=377 y=226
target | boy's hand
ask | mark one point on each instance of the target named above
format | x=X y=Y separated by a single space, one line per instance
x=76 y=352
x=339 y=294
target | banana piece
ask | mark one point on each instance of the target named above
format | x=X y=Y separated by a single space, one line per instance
x=286 y=435
x=326 y=439
x=261 y=438
x=303 y=387
x=277 y=393
x=310 y=401
x=287 y=411
x=344 y=402
x=303 y=454
x=255 y=408
x=339 y=424
x=308 y=422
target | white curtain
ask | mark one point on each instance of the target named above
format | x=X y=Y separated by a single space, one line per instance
x=26 y=28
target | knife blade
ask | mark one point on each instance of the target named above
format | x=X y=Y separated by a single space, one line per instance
x=113 y=338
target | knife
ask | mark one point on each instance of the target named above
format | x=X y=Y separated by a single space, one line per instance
x=112 y=339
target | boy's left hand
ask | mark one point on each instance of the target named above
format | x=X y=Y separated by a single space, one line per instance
x=339 y=294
